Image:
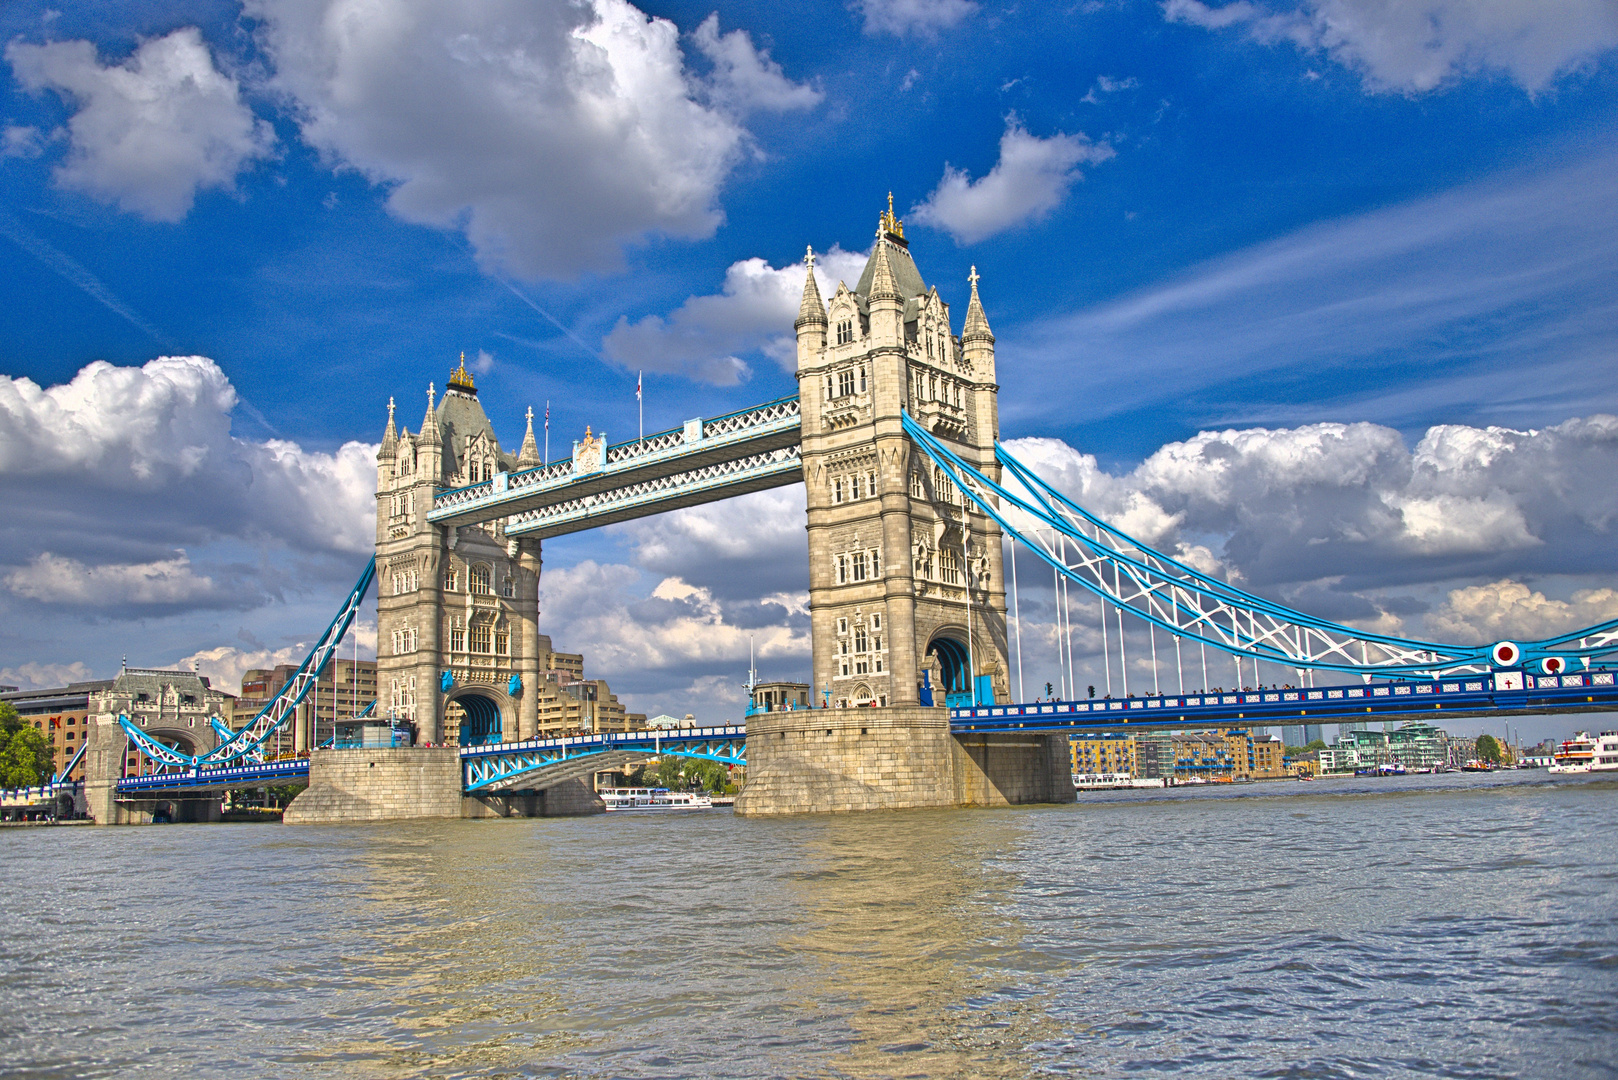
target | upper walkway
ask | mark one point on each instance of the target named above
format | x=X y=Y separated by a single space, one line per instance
x=701 y=461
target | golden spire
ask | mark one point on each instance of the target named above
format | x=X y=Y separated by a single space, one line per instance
x=460 y=378
x=890 y=224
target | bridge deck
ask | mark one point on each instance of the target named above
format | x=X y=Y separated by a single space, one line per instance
x=223 y=778
x=537 y=762
x=1468 y=695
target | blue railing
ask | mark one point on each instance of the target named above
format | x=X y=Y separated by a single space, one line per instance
x=219 y=777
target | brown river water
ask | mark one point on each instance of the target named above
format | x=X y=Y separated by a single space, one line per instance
x=1456 y=926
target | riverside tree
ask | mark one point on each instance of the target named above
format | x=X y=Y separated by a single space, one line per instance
x=26 y=758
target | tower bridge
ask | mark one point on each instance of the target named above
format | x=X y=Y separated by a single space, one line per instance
x=910 y=499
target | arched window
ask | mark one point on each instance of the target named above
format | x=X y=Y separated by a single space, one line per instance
x=481 y=581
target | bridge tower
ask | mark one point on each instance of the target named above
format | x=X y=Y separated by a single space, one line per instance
x=905 y=572
x=462 y=600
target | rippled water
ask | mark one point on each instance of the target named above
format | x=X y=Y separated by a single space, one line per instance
x=1435 y=926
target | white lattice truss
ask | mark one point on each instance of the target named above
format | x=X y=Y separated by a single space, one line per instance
x=1191 y=605
x=663 y=449
x=722 y=480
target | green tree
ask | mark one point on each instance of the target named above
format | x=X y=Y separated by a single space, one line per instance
x=687 y=774
x=1488 y=749
x=26 y=758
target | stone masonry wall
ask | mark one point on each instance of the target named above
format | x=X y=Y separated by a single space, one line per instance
x=831 y=760
x=569 y=798
x=1006 y=770
x=840 y=760
x=379 y=785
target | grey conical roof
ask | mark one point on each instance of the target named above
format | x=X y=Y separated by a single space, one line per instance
x=812 y=309
x=977 y=324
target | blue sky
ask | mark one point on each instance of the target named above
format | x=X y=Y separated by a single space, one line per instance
x=1342 y=240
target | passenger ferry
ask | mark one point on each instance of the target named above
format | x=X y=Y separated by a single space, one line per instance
x=640 y=798
x=1582 y=753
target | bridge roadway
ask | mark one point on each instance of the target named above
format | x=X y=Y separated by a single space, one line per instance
x=1456 y=696
x=505 y=767
x=701 y=461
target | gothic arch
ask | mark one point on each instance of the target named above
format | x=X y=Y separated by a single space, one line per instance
x=954 y=658
x=490 y=713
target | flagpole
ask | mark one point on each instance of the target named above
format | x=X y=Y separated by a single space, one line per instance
x=547 y=431
x=641 y=401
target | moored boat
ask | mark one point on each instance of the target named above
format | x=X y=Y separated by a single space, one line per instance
x=653 y=799
x=1586 y=753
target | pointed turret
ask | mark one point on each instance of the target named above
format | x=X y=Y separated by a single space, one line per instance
x=429 y=423
x=977 y=343
x=528 y=456
x=977 y=324
x=390 y=437
x=884 y=301
x=429 y=444
x=884 y=286
x=811 y=323
x=812 y=311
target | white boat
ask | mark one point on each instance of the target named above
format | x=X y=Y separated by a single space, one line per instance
x=1113 y=781
x=640 y=798
x=1586 y=753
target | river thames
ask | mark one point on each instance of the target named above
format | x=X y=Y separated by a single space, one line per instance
x=1458 y=926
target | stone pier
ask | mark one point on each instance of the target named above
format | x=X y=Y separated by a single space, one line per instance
x=347 y=786
x=900 y=757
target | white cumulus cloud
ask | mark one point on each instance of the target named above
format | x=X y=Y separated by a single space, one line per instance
x=921 y=18
x=52 y=579
x=37 y=676
x=1415 y=46
x=552 y=134
x=707 y=336
x=1030 y=180
x=152 y=131
x=1323 y=511
x=744 y=77
x=121 y=465
x=1507 y=610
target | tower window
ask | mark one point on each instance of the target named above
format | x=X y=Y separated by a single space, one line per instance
x=452 y=579
x=837 y=490
x=845 y=382
x=845 y=331
x=481 y=580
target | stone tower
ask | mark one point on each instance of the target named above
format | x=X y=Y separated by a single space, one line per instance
x=905 y=573
x=457 y=600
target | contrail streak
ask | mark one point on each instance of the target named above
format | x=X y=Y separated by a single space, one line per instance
x=78 y=275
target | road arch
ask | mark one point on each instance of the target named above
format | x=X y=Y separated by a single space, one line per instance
x=489 y=714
